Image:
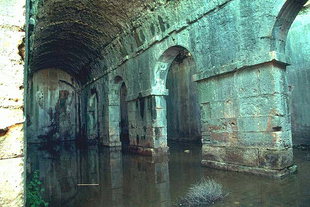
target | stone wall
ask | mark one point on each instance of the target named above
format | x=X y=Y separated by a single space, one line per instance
x=12 y=54
x=240 y=72
x=298 y=73
x=52 y=105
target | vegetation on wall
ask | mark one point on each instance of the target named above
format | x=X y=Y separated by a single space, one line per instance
x=34 y=192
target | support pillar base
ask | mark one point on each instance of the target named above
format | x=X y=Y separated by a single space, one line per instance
x=251 y=170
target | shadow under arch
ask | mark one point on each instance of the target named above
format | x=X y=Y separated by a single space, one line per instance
x=163 y=65
x=285 y=18
x=174 y=70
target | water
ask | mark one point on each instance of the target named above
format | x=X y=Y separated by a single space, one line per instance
x=124 y=180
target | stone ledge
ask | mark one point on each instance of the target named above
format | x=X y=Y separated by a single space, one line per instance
x=270 y=58
x=250 y=170
x=147 y=93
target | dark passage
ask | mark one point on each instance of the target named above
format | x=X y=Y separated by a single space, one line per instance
x=183 y=114
x=124 y=133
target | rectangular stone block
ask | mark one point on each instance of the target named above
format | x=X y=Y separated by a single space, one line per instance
x=274 y=140
x=12 y=116
x=223 y=138
x=231 y=108
x=223 y=85
x=275 y=159
x=272 y=80
x=207 y=91
x=231 y=155
x=205 y=112
x=11 y=141
x=264 y=105
x=247 y=83
x=12 y=182
x=11 y=12
x=242 y=156
x=217 y=109
x=213 y=153
x=263 y=123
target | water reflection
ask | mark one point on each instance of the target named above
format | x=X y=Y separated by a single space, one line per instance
x=94 y=176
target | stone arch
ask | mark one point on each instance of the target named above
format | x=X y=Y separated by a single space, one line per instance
x=284 y=20
x=116 y=87
x=297 y=74
x=163 y=64
x=174 y=72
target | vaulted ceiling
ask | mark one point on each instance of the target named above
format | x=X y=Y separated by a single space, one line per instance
x=69 y=34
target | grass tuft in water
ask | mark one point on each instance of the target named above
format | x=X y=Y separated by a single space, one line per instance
x=203 y=194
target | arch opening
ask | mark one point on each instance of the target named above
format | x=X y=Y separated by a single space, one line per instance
x=183 y=110
x=284 y=21
x=297 y=50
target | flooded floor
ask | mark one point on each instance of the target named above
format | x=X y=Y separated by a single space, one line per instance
x=93 y=176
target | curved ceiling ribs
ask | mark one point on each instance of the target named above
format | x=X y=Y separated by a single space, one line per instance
x=69 y=34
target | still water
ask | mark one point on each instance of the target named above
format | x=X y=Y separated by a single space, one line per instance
x=101 y=177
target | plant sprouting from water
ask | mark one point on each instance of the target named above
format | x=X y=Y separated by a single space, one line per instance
x=203 y=194
x=34 y=192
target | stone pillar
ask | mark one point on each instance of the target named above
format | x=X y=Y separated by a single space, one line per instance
x=113 y=125
x=111 y=113
x=245 y=121
x=12 y=49
x=112 y=118
x=148 y=124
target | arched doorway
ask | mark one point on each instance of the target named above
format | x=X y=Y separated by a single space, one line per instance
x=124 y=130
x=173 y=79
x=183 y=114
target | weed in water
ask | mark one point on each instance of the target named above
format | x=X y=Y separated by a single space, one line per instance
x=203 y=194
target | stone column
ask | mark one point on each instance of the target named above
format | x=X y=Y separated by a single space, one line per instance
x=111 y=114
x=148 y=124
x=113 y=125
x=245 y=120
